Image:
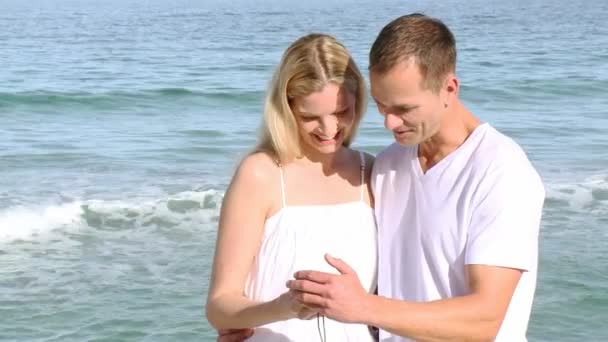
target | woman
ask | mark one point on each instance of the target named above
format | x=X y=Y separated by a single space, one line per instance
x=302 y=193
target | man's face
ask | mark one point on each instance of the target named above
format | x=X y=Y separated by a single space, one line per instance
x=410 y=111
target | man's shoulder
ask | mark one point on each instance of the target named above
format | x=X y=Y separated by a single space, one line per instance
x=499 y=150
x=391 y=155
x=500 y=158
x=390 y=162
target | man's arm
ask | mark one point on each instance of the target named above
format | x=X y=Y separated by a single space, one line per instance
x=473 y=317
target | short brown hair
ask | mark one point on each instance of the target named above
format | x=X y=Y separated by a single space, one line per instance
x=427 y=40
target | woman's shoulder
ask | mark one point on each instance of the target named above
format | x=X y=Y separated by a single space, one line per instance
x=257 y=168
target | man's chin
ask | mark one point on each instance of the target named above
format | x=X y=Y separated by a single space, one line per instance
x=406 y=142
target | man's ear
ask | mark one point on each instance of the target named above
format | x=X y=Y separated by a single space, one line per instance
x=450 y=89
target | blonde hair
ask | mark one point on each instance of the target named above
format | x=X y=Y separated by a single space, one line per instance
x=308 y=64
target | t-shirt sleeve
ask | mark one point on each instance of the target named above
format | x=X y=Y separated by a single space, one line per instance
x=505 y=220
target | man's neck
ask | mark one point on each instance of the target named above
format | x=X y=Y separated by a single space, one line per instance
x=457 y=126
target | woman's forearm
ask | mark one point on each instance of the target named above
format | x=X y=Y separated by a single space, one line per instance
x=237 y=312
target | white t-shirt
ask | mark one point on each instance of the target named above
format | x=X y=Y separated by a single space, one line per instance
x=481 y=204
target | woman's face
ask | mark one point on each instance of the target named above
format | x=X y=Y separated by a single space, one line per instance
x=325 y=118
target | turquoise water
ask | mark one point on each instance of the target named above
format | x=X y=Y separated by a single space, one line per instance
x=121 y=122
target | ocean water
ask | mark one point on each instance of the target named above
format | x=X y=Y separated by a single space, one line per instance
x=121 y=123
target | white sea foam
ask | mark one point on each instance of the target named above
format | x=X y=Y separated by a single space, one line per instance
x=22 y=222
x=201 y=208
x=590 y=195
x=29 y=221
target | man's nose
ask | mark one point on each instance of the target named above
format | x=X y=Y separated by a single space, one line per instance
x=392 y=121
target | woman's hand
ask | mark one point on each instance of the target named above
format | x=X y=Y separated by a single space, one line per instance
x=292 y=308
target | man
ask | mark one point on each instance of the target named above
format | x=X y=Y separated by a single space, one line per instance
x=458 y=207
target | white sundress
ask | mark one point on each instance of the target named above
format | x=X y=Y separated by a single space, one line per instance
x=296 y=238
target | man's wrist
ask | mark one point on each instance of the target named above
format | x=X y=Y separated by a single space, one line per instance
x=368 y=310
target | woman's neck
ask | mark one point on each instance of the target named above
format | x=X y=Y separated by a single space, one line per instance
x=324 y=161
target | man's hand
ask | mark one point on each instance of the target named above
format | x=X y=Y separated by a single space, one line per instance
x=340 y=297
x=234 y=335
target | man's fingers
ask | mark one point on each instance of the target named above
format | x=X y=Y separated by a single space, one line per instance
x=234 y=335
x=306 y=286
x=315 y=276
x=311 y=300
x=230 y=331
x=339 y=265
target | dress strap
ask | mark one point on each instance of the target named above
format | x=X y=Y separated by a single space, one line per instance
x=362 y=156
x=282 y=185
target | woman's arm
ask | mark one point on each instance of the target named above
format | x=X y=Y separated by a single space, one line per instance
x=247 y=202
